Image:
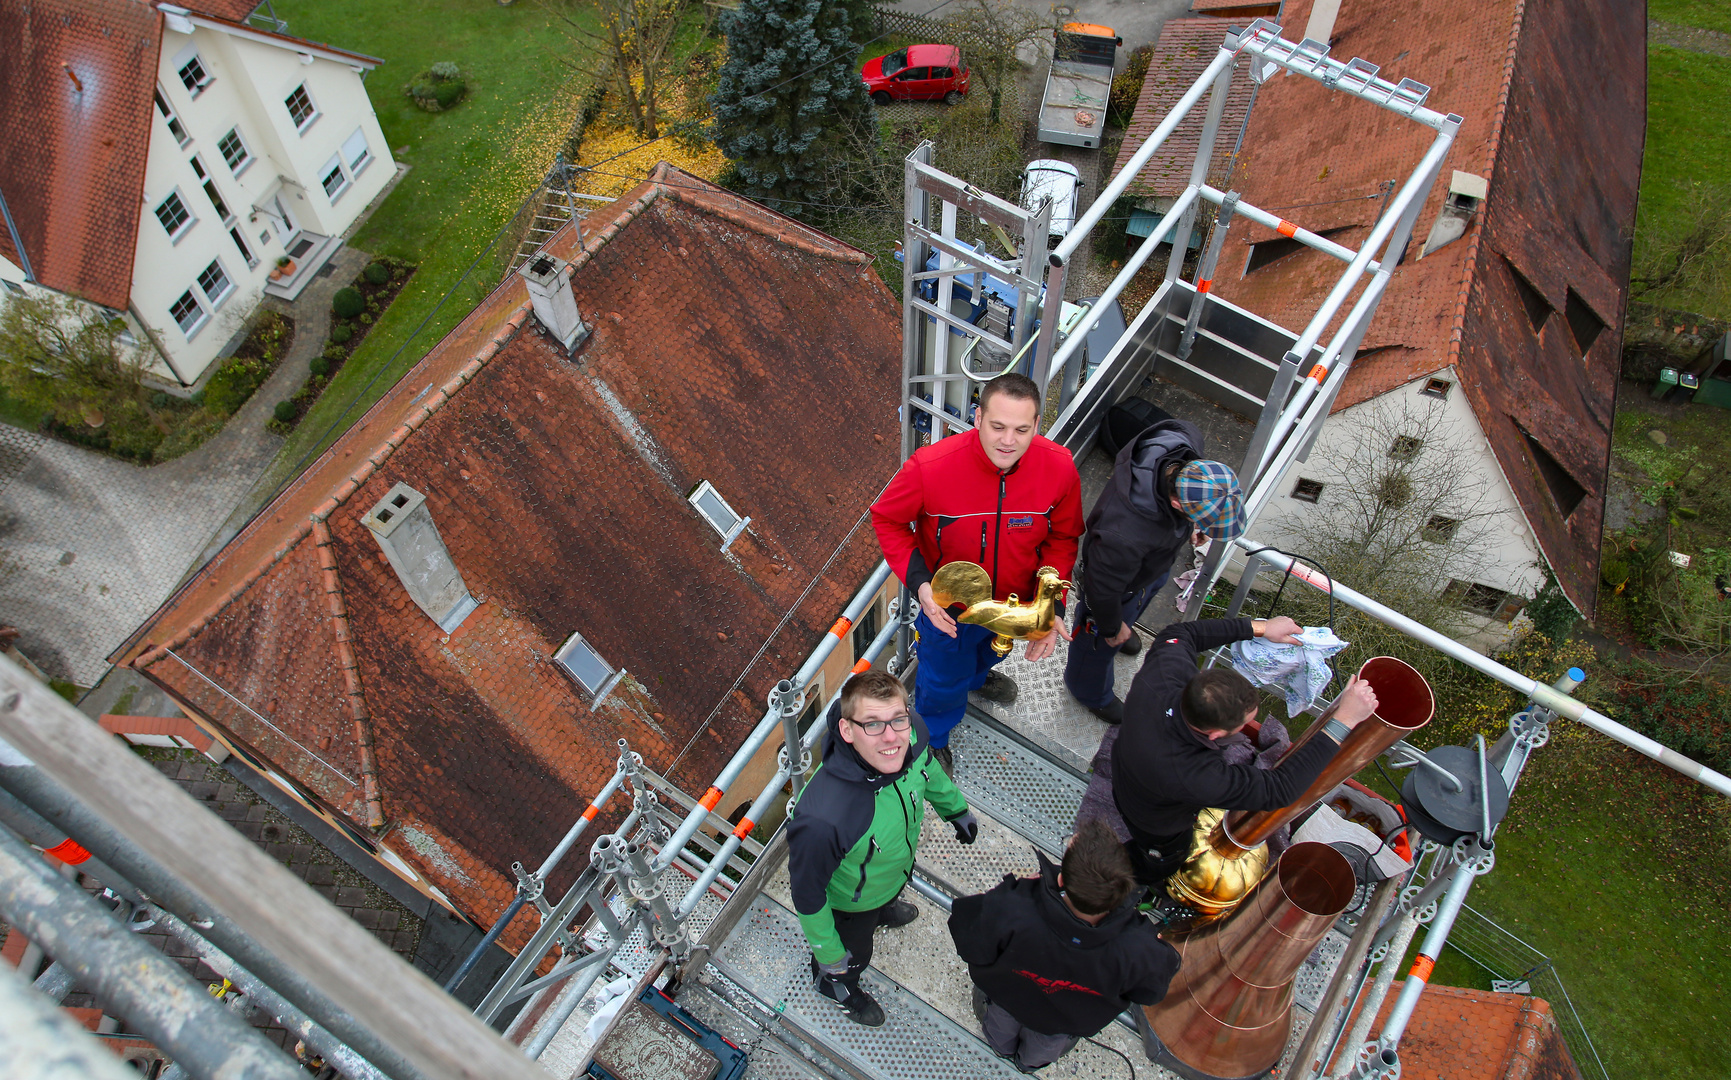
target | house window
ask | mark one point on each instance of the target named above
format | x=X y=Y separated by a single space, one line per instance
x=193 y=75
x=215 y=283
x=865 y=631
x=578 y=659
x=1405 y=448
x=175 y=217
x=210 y=192
x=333 y=179
x=1584 y=323
x=355 y=152
x=1437 y=388
x=1492 y=603
x=1266 y=251
x=1439 y=529
x=14 y=286
x=300 y=108
x=188 y=313
x=813 y=709
x=234 y=151
x=715 y=510
x=245 y=252
x=175 y=127
x=1307 y=490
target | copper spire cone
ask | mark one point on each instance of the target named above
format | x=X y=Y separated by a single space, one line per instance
x=1228 y=1013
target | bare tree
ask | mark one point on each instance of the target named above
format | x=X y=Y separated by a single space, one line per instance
x=67 y=359
x=631 y=50
x=1402 y=511
x=994 y=34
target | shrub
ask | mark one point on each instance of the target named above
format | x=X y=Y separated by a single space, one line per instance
x=348 y=302
x=377 y=273
x=233 y=384
x=423 y=91
x=285 y=412
x=1127 y=85
x=159 y=400
x=443 y=70
x=334 y=354
x=448 y=94
x=341 y=333
x=367 y=318
x=319 y=367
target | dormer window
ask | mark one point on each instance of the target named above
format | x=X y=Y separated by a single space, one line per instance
x=715 y=510
x=578 y=659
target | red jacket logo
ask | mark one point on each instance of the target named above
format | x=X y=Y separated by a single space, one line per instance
x=1052 y=986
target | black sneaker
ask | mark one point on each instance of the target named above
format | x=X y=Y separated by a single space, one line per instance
x=1000 y=689
x=946 y=759
x=863 y=1009
x=899 y=913
x=1112 y=713
x=1132 y=647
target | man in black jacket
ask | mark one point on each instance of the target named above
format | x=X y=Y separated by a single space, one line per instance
x=1161 y=497
x=1167 y=765
x=1057 y=957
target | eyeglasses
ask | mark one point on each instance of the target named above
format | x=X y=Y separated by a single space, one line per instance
x=876 y=727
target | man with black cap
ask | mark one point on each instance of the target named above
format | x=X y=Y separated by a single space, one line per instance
x=853 y=832
x=1163 y=496
x=1056 y=958
x=1167 y=765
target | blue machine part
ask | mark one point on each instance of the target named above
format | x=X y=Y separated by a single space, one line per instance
x=733 y=1059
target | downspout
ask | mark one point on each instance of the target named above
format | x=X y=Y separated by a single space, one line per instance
x=150 y=335
x=17 y=241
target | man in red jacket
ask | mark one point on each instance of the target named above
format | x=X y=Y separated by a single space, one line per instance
x=1004 y=497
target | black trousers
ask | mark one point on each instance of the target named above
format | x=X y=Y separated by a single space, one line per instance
x=1153 y=859
x=855 y=929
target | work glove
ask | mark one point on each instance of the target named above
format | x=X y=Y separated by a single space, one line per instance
x=967 y=827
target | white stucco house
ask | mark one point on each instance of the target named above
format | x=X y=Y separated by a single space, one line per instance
x=162 y=162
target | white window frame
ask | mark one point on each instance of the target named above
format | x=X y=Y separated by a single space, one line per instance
x=729 y=533
x=203 y=319
x=187 y=59
x=312 y=117
x=246 y=160
x=356 y=166
x=185 y=226
x=597 y=693
x=221 y=298
x=171 y=118
x=1436 y=387
x=335 y=165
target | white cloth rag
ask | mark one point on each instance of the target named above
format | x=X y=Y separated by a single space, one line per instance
x=610 y=999
x=1300 y=671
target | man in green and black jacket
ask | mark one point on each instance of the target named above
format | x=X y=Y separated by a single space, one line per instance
x=852 y=836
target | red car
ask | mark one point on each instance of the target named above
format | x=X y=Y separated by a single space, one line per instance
x=917 y=73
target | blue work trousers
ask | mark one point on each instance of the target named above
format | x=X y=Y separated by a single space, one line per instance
x=1088 y=670
x=949 y=668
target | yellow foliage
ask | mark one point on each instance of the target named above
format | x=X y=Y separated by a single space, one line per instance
x=615 y=175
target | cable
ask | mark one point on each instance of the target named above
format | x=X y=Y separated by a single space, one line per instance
x=1127 y=1062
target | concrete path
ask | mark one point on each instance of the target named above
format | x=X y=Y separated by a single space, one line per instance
x=1688 y=38
x=90 y=546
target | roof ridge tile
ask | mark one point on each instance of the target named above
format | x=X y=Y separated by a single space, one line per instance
x=323 y=543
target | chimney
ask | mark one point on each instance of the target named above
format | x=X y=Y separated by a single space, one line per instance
x=1321 y=24
x=555 y=304
x=404 y=528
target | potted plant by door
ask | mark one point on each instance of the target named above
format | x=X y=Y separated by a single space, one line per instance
x=285 y=267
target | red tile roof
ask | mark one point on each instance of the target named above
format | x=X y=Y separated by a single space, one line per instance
x=232 y=10
x=1516 y=72
x=1185 y=49
x=729 y=344
x=72 y=152
x=1456 y=1033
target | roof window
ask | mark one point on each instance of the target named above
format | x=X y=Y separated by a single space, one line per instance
x=715 y=510
x=1565 y=490
x=578 y=659
x=1264 y=252
x=1584 y=322
x=1538 y=308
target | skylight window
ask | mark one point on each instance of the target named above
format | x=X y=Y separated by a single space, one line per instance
x=715 y=510
x=579 y=660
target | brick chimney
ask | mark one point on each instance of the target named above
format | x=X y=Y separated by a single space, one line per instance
x=404 y=528
x=554 y=303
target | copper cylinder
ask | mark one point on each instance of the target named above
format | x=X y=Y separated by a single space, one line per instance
x=1228 y=1012
x=1404 y=704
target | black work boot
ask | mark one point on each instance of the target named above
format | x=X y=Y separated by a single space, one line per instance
x=1133 y=646
x=860 y=1006
x=898 y=913
x=1112 y=712
x=999 y=689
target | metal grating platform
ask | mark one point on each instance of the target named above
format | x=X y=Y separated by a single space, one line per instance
x=1028 y=792
x=636 y=955
x=768 y=957
x=769 y=1057
x=1318 y=968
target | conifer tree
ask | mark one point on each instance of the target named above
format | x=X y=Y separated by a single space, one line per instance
x=790 y=105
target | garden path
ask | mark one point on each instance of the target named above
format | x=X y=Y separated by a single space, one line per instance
x=90 y=546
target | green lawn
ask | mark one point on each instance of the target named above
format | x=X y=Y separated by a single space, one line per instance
x=1688 y=148
x=1705 y=14
x=470 y=167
